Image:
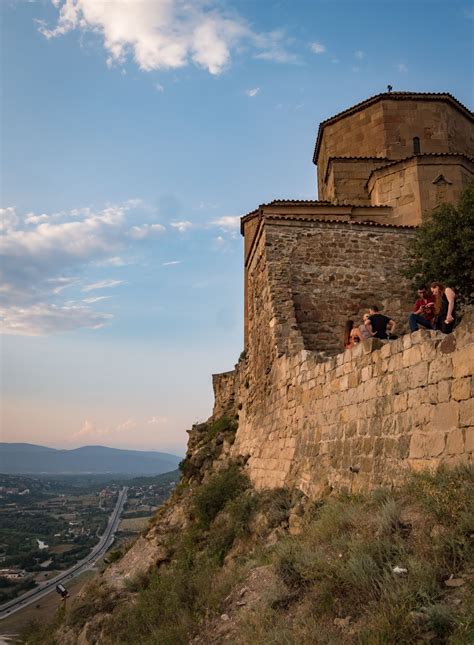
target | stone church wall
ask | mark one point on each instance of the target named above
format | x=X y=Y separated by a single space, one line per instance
x=306 y=278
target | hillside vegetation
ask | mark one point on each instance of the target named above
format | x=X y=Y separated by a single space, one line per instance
x=272 y=567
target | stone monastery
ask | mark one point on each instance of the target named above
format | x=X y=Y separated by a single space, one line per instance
x=310 y=415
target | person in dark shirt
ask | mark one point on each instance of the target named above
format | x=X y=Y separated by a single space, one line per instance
x=383 y=326
x=424 y=310
x=445 y=307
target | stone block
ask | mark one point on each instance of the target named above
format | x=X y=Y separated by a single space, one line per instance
x=400 y=402
x=466 y=409
x=400 y=382
x=421 y=414
x=370 y=389
x=407 y=342
x=428 y=350
x=448 y=344
x=455 y=442
x=463 y=361
x=420 y=336
x=440 y=368
x=469 y=439
x=444 y=391
x=404 y=446
x=418 y=446
x=431 y=393
x=353 y=380
x=461 y=388
x=411 y=356
x=446 y=416
x=436 y=443
x=395 y=362
x=418 y=375
x=386 y=350
x=366 y=373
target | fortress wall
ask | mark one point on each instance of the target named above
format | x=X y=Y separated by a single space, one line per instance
x=320 y=274
x=381 y=409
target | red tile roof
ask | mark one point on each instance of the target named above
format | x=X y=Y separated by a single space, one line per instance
x=424 y=154
x=342 y=221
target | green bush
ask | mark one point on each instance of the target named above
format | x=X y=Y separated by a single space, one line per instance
x=211 y=497
x=444 y=245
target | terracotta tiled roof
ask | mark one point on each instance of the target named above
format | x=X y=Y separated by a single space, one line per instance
x=348 y=158
x=342 y=221
x=302 y=202
x=421 y=155
x=393 y=96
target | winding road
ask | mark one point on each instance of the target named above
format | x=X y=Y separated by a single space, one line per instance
x=88 y=562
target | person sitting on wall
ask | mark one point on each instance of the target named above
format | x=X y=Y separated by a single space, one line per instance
x=383 y=326
x=365 y=330
x=445 y=307
x=351 y=335
x=424 y=310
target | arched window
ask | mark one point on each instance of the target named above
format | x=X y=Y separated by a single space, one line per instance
x=416 y=145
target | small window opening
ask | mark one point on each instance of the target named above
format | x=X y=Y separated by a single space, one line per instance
x=416 y=145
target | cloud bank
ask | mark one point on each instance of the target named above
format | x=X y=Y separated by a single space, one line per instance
x=166 y=34
x=42 y=258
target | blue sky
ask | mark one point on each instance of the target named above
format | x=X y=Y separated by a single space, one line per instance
x=134 y=136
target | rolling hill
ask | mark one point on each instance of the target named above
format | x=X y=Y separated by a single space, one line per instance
x=25 y=458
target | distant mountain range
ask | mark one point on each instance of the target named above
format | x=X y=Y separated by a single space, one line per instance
x=29 y=459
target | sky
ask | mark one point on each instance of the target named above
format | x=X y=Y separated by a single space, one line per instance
x=135 y=134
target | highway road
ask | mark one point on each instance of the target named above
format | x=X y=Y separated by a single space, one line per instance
x=33 y=595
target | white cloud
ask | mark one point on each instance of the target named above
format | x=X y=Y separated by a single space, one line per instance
x=274 y=47
x=402 y=67
x=157 y=420
x=172 y=263
x=115 y=261
x=165 y=34
x=182 y=227
x=42 y=255
x=8 y=219
x=103 y=284
x=32 y=218
x=90 y=430
x=227 y=222
x=159 y=87
x=317 y=48
x=359 y=54
x=147 y=230
x=253 y=92
x=90 y=301
x=42 y=318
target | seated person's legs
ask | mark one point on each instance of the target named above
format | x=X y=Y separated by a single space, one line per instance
x=415 y=321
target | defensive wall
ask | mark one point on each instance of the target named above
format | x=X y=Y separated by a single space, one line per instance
x=358 y=420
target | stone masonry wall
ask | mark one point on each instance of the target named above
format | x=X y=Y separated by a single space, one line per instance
x=320 y=274
x=362 y=418
x=386 y=129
